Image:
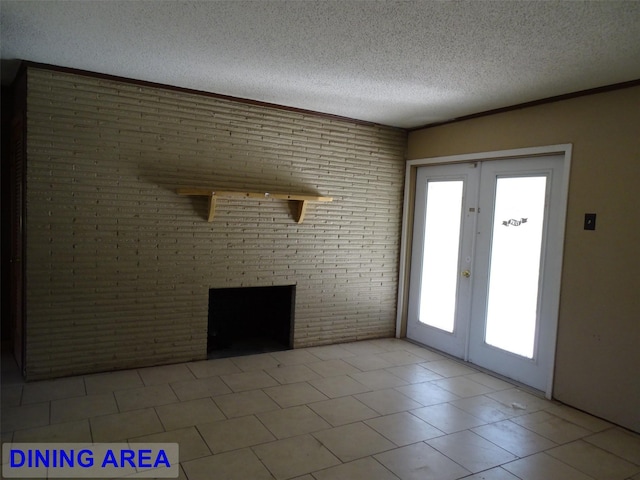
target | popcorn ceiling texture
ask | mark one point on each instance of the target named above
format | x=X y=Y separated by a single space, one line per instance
x=119 y=266
x=405 y=63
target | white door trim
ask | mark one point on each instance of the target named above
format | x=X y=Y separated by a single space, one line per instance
x=407 y=221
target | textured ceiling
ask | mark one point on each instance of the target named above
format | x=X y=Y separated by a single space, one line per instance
x=405 y=64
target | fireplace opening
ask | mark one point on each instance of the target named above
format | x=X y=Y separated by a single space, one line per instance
x=248 y=320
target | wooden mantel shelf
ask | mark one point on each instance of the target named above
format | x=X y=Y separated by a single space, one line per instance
x=302 y=200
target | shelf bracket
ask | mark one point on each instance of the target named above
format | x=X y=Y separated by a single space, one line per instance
x=302 y=210
x=212 y=207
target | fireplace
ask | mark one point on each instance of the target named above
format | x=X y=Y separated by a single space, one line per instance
x=248 y=320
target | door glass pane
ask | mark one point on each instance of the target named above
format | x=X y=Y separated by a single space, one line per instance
x=515 y=264
x=440 y=259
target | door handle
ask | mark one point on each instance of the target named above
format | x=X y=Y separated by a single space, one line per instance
x=466 y=273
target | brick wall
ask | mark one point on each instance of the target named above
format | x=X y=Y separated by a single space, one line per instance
x=119 y=266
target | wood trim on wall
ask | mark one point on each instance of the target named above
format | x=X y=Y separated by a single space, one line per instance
x=533 y=103
x=145 y=83
x=592 y=91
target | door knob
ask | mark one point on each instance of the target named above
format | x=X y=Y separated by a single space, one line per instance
x=466 y=274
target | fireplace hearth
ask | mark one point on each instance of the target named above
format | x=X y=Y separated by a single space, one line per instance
x=248 y=320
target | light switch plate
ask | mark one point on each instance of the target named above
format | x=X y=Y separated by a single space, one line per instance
x=589 y=221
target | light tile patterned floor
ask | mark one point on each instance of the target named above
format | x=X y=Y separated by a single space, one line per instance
x=379 y=409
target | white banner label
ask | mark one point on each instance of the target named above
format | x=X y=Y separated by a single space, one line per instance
x=87 y=460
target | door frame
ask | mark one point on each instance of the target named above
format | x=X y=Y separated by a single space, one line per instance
x=565 y=150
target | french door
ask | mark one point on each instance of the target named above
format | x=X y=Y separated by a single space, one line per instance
x=486 y=263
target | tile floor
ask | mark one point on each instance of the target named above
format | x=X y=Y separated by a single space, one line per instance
x=378 y=409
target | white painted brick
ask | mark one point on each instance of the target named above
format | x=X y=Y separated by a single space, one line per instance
x=119 y=266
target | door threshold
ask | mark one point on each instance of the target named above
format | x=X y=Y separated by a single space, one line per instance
x=515 y=383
